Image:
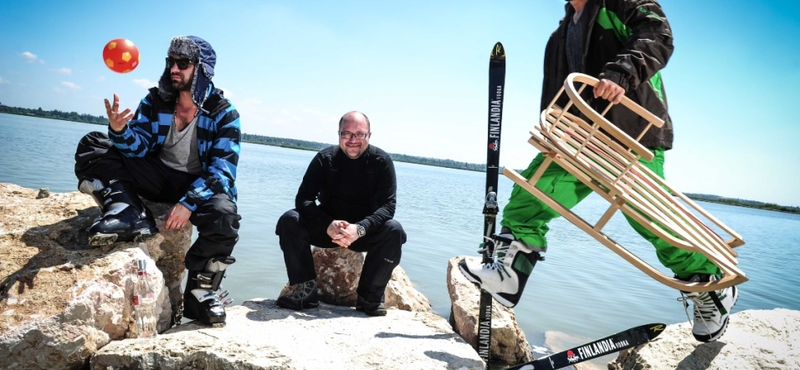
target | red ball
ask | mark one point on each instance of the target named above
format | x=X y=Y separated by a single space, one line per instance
x=121 y=55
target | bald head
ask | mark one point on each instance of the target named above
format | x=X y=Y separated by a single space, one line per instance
x=354 y=133
x=354 y=116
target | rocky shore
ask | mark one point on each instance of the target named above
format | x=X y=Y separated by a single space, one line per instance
x=67 y=306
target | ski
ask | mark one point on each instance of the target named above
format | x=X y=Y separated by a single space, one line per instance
x=497 y=77
x=617 y=342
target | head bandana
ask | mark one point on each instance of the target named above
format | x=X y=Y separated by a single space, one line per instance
x=201 y=53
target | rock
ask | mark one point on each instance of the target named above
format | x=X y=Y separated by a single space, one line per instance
x=259 y=335
x=508 y=342
x=755 y=339
x=401 y=294
x=60 y=299
x=338 y=271
x=65 y=305
x=43 y=193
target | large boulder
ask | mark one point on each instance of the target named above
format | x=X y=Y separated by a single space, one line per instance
x=60 y=299
x=259 y=335
x=755 y=339
x=338 y=271
x=508 y=343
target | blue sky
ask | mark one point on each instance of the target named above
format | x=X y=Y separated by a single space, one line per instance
x=419 y=70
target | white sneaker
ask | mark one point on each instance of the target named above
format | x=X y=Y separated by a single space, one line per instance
x=505 y=277
x=711 y=309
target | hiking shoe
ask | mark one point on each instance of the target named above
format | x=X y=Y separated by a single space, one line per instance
x=711 y=309
x=505 y=277
x=304 y=296
x=370 y=308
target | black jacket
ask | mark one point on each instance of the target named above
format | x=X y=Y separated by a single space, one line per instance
x=362 y=190
x=628 y=42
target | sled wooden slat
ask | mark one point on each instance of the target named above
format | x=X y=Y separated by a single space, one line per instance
x=606 y=159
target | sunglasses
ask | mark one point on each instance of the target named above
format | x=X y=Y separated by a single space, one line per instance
x=182 y=63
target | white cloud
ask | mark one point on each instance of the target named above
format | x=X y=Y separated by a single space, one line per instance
x=31 y=57
x=101 y=79
x=143 y=82
x=70 y=85
x=63 y=71
x=4 y=81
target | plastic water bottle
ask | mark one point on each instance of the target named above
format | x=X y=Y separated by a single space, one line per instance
x=144 y=303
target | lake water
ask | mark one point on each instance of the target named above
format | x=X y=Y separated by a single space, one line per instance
x=582 y=289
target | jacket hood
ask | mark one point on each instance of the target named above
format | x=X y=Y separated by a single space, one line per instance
x=202 y=54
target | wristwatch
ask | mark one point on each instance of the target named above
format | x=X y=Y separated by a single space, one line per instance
x=361 y=231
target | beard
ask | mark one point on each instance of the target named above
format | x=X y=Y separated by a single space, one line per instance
x=182 y=85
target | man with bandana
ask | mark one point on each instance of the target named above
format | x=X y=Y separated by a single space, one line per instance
x=181 y=146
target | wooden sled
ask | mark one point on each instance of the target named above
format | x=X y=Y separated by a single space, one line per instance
x=607 y=160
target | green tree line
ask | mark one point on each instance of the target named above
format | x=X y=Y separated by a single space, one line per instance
x=247 y=138
x=315 y=146
x=55 y=114
x=742 y=202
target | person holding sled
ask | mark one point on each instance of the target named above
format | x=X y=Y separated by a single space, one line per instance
x=625 y=44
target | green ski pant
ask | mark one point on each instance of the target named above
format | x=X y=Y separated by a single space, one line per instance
x=527 y=216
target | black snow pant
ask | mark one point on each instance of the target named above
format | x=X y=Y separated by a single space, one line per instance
x=217 y=220
x=383 y=247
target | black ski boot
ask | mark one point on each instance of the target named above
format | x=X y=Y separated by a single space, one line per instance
x=124 y=218
x=201 y=299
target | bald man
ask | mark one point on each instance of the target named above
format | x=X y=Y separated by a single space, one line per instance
x=346 y=200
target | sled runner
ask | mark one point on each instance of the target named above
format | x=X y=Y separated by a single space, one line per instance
x=607 y=160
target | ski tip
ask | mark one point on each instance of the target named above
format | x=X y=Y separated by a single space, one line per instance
x=498 y=51
x=654 y=330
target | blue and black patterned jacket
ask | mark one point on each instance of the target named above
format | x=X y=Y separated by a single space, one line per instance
x=218 y=141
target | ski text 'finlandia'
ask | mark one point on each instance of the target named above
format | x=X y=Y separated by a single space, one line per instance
x=495 y=113
x=600 y=348
x=483 y=338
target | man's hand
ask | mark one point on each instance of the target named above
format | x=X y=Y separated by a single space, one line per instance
x=609 y=90
x=342 y=233
x=177 y=217
x=117 y=120
x=335 y=229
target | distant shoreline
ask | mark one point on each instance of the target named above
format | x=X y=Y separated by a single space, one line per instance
x=246 y=138
x=742 y=203
x=315 y=146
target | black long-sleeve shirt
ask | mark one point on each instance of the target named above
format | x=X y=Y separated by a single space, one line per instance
x=362 y=190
